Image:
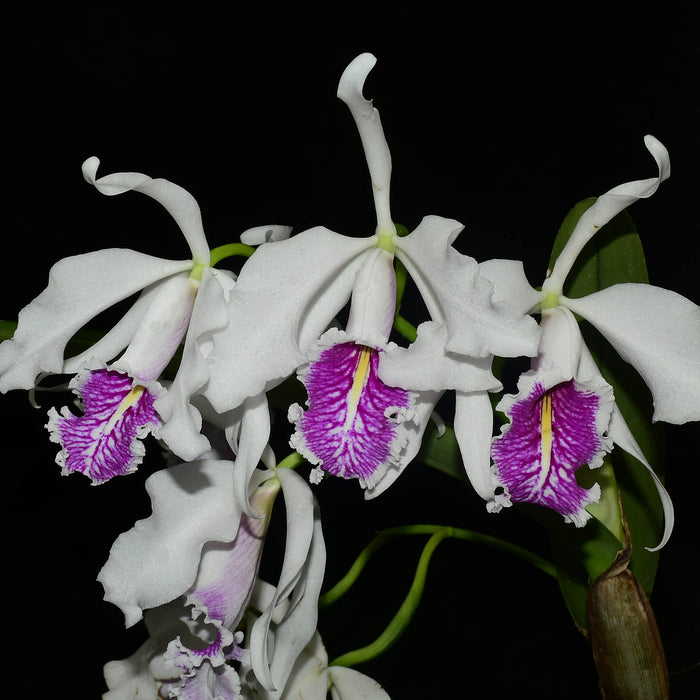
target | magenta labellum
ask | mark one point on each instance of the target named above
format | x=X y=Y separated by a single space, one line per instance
x=552 y=433
x=352 y=427
x=105 y=441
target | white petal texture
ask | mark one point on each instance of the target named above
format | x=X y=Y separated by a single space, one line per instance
x=658 y=332
x=285 y=296
x=455 y=293
x=157 y=560
x=80 y=287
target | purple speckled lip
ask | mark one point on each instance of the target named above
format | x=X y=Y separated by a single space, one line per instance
x=104 y=441
x=350 y=426
x=552 y=433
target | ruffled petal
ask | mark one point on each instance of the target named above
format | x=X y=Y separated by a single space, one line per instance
x=179 y=203
x=182 y=422
x=413 y=428
x=605 y=208
x=425 y=365
x=658 y=332
x=223 y=587
x=353 y=425
x=285 y=297
x=80 y=287
x=455 y=293
x=106 y=440
x=510 y=285
x=552 y=432
x=157 y=560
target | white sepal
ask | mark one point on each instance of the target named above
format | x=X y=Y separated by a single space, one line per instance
x=372 y=135
x=179 y=203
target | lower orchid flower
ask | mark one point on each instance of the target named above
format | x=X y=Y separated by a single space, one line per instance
x=123 y=401
x=192 y=568
x=564 y=415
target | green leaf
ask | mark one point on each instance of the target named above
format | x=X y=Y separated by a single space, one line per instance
x=614 y=256
x=442 y=453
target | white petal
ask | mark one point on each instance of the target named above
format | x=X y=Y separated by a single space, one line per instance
x=80 y=287
x=373 y=140
x=605 y=208
x=265 y=234
x=473 y=427
x=284 y=298
x=658 y=332
x=179 y=203
x=161 y=330
x=349 y=684
x=157 y=560
x=453 y=292
x=182 y=421
x=373 y=303
x=425 y=365
x=117 y=337
x=559 y=351
x=510 y=285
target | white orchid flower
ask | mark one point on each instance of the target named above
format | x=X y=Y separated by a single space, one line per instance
x=356 y=425
x=192 y=567
x=564 y=415
x=123 y=401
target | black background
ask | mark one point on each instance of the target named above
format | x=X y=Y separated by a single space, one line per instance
x=500 y=118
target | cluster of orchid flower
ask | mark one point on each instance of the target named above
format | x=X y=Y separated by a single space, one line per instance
x=191 y=569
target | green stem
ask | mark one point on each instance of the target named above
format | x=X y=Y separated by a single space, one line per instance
x=228 y=250
x=291 y=461
x=406 y=329
x=400 y=621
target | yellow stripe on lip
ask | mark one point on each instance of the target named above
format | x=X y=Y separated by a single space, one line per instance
x=545 y=438
x=129 y=400
x=358 y=384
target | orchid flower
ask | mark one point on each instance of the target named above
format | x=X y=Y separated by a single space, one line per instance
x=356 y=425
x=124 y=401
x=192 y=567
x=564 y=415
